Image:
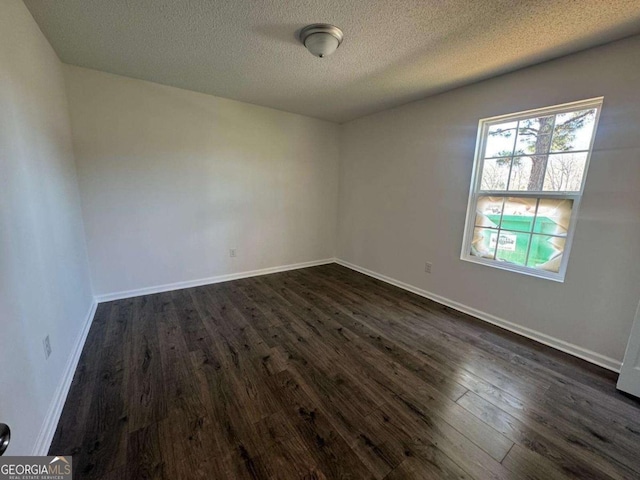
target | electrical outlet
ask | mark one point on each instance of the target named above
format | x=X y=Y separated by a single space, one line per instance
x=427 y=267
x=232 y=252
x=47 y=346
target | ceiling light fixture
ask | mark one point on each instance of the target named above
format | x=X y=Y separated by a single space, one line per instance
x=321 y=39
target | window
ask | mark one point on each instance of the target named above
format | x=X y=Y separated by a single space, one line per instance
x=529 y=174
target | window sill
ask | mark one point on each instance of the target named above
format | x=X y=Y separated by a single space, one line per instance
x=532 y=272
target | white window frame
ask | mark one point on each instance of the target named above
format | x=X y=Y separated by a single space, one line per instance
x=475 y=190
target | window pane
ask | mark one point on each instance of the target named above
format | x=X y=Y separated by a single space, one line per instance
x=564 y=172
x=534 y=135
x=514 y=213
x=495 y=174
x=553 y=216
x=511 y=246
x=546 y=253
x=500 y=140
x=488 y=211
x=573 y=130
x=481 y=243
x=520 y=173
x=518 y=214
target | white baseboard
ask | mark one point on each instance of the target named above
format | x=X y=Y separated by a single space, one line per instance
x=52 y=418
x=575 y=350
x=208 y=281
x=50 y=424
x=48 y=429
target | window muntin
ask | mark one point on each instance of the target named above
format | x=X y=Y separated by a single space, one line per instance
x=529 y=174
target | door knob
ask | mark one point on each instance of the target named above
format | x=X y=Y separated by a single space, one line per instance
x=5 y=436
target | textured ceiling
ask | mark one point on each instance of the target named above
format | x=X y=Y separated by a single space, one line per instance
x=394 y=51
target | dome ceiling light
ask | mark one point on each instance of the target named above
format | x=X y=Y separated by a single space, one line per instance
x=321 y=39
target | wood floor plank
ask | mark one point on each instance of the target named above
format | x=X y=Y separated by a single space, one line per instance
x=332 y=453
x=324 y=373
x=144 y=461
x=430 y=338
x=70 y=433
x=104 y=445
x=443 y=408
x=557 y=427
x=145 y=396
x=515 y=387
x=527 y=464
x=578 y=463
x=435 y=442
x=482 y=434
x=392 y=348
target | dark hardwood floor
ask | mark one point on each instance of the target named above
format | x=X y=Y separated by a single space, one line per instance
x=324 y=373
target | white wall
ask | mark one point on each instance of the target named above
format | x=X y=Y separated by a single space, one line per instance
x=44 y=276
x=171 y=180
x=404 y=187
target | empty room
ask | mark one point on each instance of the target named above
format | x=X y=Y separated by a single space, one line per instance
x=285 y=239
